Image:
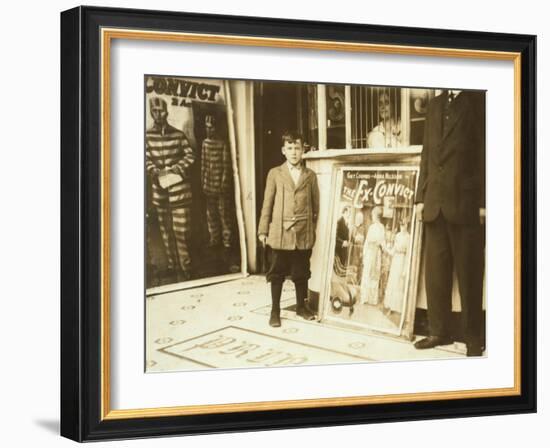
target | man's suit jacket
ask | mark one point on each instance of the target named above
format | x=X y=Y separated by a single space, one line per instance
x=289 y=212
x=342 y=234
x=452 y=168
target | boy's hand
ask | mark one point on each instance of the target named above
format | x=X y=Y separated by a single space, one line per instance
x=263 y=239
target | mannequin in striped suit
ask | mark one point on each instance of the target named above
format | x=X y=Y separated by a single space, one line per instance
x=216 y=178
x=168 y=151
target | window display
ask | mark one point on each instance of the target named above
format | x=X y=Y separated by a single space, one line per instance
x=191 y=219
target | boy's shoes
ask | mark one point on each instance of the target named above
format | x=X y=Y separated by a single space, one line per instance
x=275 y=319
x=432 y=341
x=305 y=312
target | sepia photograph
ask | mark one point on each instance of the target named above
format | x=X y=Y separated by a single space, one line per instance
x=292 y=223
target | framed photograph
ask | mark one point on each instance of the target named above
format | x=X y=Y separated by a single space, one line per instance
x=273 y=224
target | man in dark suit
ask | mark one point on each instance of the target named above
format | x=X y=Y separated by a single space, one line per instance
x=342 y=236
x=451 y=202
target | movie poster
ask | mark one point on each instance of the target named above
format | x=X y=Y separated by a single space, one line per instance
x=193 y=232
x=373 y=223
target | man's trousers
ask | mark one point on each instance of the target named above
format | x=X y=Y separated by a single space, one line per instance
x=460 y=247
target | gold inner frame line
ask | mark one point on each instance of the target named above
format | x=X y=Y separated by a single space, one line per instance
x=107 y=35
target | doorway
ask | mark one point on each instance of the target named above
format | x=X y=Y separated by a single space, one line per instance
x=275 y=111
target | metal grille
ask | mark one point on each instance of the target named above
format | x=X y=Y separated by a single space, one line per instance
x=307 y=115
x=376 y=117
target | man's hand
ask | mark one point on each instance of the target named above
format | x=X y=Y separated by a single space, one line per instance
x=178 y=170
x=482 y=214
x=420 y=211
x=263 y=239
x=345 y=244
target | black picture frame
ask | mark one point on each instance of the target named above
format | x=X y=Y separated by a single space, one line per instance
x=81 y=209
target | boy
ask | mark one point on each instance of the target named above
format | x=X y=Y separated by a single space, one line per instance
x=287 y=225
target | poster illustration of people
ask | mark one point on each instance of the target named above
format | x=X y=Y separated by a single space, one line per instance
x=192 y=226
x=372 y=247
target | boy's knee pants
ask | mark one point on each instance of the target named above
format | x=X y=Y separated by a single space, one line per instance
x=293 y=263
x=289 y=262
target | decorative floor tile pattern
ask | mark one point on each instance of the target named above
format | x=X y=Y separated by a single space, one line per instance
x=233 y=347
x=239 y=310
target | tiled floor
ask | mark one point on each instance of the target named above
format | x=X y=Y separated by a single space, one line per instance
x=226 y=326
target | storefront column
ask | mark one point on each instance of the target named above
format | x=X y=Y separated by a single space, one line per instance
x=242 y=95
x=348 y=112
x=323 y=170
x=322 y=115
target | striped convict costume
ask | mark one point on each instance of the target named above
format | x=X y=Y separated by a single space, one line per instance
x=168 y=148
x=216 y=175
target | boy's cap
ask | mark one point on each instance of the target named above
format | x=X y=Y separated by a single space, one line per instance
x=158 y=103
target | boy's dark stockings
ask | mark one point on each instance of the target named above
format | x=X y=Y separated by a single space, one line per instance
x=302 y=309
x=275 y=318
